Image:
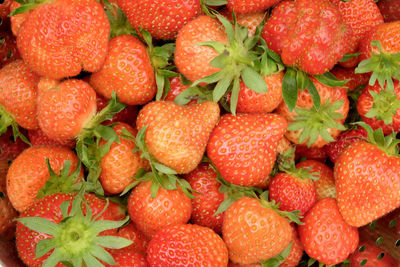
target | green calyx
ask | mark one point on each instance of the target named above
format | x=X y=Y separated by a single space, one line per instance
x=7 y=120
x=384 y=67
x=160 y=175
x=206 y=6
x=119 y=24
x=315 y=122
x=27 y=5
x=385 y=105
x=287 y=164
x=75 y=240
x=278 y=259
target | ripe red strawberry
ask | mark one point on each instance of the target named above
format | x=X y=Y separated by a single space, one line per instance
x=7 y=214
x=367 y=178
x=390 y=10
x=4 y=10
x=295 y=34
x=139 y=241
x=243 y=147
x=325 y=184
x=8 y=48
x=127 y=57
x=76 y=238
x=18 y=94
x=10 y=149
x=17 y=20
x=176 y=88
x=316 y=153
x=82 y=45
x=149 y=214
x=120 y=165
x=325 y=235
x=128 y=259
x=248 y=20
x=177 y=136
x=38 y=138
x=149 y=15
x=354 y=80
x=64 y=110
x=367 y=255
x=205 y=205
x=239 y=6
x=32 y=163
x=254 y=232
x=187 y=245
x=296 y=251
x=128 y=115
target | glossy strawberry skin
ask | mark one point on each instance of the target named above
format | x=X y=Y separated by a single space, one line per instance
x=176 y=87
x=240 y=6
x=127 y=71
x=366 y=183
x=325 y=235
x=205 y=205
x=128 y=259
x=390 y=10
x=161 y=18
x=81 y=45
x=128 y=115
x=294 y=33
x=354 y=80
x=370 y=253
x=18 y=93
x=243 y=147
x=10 y=149
x=8 y=48
x=149 y=215
x=64 y=110
x=187 y=245
x=140 y=242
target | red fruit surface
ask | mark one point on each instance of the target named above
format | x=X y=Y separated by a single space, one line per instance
x=390 y=10
x=140 y=242
x=316 y=153
x=240 y=6
x=10 y=149
x=129 y=258
x=296 y=251
x=39 y=138
x=128 y=115
x=370 y=255
x=354 y=80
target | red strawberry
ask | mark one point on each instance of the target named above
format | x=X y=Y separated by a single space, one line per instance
x=4 y=10
x=76 y=238
x=149 y=214
x=128 y=115
x=325 y=235
x=367 y=255
x=294 y=30
x=243 y=147
x=334 y=149
x=296 y=250
x=176 y=88
x=150 y=15
x=7 y=214
x=4 y=164
x=38 y=138
x=316 y=153
x=129 y=258
x=10 y=149
x=120 y=165
x=8 y=48
x=177 y=136
x=239 y=6
x=28 y=173
x=187 y=245
x=354 y=80
x=139 y=241
x=127 y=57
x=17 y=20
x=205 y=205
x=389 y=9
x=254 y=232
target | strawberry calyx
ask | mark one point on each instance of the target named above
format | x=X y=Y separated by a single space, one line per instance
x=288 y=165
x=385 y=105
x=75 y=240
x=207 y=6
x=314 y=122
x=27 y=5
x=119 y=24
x=7 y=120
x=384 y=67
x=278 y=259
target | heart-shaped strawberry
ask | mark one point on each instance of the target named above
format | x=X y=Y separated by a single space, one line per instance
x=177 y=136
x=367 y=176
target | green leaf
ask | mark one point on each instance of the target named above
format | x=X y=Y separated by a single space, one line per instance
x=91 y=261
x=289 y=89
x=221 y=88
x=235 y=95
x=160 y=81
x=253 y=80
x=44 y=246
x=215 y=2
x=103 y=225
x=220 y=61
x=279 y=259
x=39 y=224
x=224 y=205
x=330 y=80
x=217 y=46
x=101 y=254
x=211 y=79
x=113 y=242
x=163 y=169
x=22 y=9
x=228 y=27
x=154 y=189
x=54 y=258
x=314 y=93
x=349 y=56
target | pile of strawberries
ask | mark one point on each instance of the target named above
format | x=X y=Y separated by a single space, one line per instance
x=199 y=132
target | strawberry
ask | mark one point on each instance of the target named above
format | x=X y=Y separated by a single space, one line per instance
x=139 y=241
x=150 y=15
x=39 y=138
x=366 y=176
x=7 y=214
x=296 y=251
x=205 y=205
x=325 y=184
x=380 y=108
x=334 y=149
x=354 y=80
x=150 y=214
x=325 y=235
x=187 y=245
x=8 y=48
x=126 y=58
x=4 y=164
x=80 y=231
x=243 y=147
x=82 y=45
x=4 y=10
x=17 y=20
x=119 y=165
x=367 y=255
x=176 y=88
x=240 y=7
x=128 y=259
x=127 y=115
x=254 y=231
x=248 y=20
x=390 y=10
x=10 y=148
x=28 y=173
x=177 y=136
x=316 y=153
x=295 y=34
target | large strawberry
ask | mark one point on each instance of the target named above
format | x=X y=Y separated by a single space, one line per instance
x=243 y=147
x=61 y=38
x=71 y=228
x=239 y=6
x=367 y=178
x=325 y=235
x=187 y=245
x=177 y=136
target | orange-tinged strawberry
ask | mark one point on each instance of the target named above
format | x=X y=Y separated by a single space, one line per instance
x=120 y=165
x=240 y=6
x=355 y=80
x=296 y=250
x=28 y=173
x=243 y=147
x=139 y=241
x=127 y=71
x=61 y=38
x=325 y=235
x=128 y=259
x=39 y=138
x=177 y=136
x=317 y=153
x=176 y=88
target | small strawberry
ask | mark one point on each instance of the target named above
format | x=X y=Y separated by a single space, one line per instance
x=325 y=235
x=177 y=136
x=239 y=6
x=81 y=45
x=390 y=10
x=243 y=147
x=368 y=255
x=187 y=245
x=10 y=148
x=139 y=241
x=354 y=80
x=128 y=115
x=8 y=48
x=129 y=258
